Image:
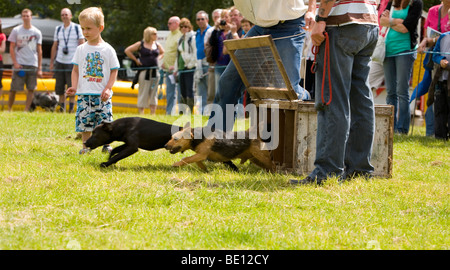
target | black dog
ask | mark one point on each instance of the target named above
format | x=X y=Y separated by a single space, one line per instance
x=137 y=133
x=45 y=100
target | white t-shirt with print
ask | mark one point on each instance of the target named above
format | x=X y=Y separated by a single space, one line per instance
x=26 y=44
x=67 y=37
x=94 y=67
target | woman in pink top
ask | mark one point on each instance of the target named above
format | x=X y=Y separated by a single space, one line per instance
x=433 y=22
x=2 y=50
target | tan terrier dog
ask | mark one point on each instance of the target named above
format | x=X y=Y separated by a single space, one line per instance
x=217 y=148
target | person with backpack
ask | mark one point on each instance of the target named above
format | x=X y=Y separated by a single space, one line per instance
x=186 y=62
x=150 y=52
x=66 y=40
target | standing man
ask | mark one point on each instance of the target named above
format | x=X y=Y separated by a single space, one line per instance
x=168 y=65
x=236 y=29
x=66 y=40
x=284 y=23
x=211 y=77
x=26 y=54
x=201 y=72
x=345 y=127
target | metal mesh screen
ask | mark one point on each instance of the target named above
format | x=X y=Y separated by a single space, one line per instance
x=260 y=67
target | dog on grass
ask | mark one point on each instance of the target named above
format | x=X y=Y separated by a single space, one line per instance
x=45 y=100
x=135 y=132
x=217 y=148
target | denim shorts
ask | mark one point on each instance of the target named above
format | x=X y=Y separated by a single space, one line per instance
x=91 y=112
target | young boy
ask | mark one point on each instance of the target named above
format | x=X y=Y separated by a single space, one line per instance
x=93 y=75
x=246 y=25
x=441 y=90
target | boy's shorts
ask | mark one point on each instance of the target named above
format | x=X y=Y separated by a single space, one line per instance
x=91 y=112
x=30 y=79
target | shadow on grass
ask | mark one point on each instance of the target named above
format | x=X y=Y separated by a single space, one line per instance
x=426 y=141
x=249 y=177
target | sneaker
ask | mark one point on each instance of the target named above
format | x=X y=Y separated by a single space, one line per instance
x=306 y=181
x=84 y=151
x=107 y=149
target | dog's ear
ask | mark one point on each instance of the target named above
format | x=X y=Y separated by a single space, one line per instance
x=107 y=126
x=187 y=131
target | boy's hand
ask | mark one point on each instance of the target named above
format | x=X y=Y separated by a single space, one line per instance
x=444 y=63
x=71 y=91
x=106 y=94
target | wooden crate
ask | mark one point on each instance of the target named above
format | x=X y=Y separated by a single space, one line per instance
x=297 y=120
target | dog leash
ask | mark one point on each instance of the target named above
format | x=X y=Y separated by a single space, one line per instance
x=326 y=67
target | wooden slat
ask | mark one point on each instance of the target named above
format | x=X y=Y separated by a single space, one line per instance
x=247 y=43
x=269 y=93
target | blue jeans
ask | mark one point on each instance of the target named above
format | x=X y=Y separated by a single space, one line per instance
x=346 y=127
x=171 y=92
x=218 y=70
x=429 y=121
x=231 y=86
x=397 y=73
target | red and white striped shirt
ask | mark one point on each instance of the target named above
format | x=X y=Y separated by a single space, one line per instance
x=350 y=12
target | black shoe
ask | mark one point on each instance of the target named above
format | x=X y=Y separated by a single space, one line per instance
x=306 y=181
x=349 y=176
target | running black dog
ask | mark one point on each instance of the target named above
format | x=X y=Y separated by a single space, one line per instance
x=45 y=100
x=135 y=132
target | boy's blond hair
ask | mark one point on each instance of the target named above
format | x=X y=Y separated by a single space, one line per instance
x=94 y=14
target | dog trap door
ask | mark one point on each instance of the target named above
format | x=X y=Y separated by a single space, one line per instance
x=260 y=67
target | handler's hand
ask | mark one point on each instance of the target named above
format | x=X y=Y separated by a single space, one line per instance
x=444 y=63
x=317 y=35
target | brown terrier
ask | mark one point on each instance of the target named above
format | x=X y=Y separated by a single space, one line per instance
x=217 y=148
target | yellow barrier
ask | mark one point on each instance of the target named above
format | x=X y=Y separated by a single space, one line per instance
x=124 y=98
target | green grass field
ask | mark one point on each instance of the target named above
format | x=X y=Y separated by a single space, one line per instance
x=53 y=198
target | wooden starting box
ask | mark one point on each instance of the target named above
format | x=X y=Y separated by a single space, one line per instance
x=262 y=71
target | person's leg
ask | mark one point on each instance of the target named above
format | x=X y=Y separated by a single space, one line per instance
x=362 y=126
x=429 y=121
x=211 y=85
x=170 y=95
x=404 y=71
x=60 y=84
x=31 y=84
x=154 y=93
x=390 y=80
x=440 y=116
x=203 y=88
x=29 y=99
x=11 y=99
x=291 y=50
x=333 y=121
x=143 y=93
x=17 y=84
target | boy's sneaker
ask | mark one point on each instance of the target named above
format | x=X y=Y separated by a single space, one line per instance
x=107 y=149
x=84 y=151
